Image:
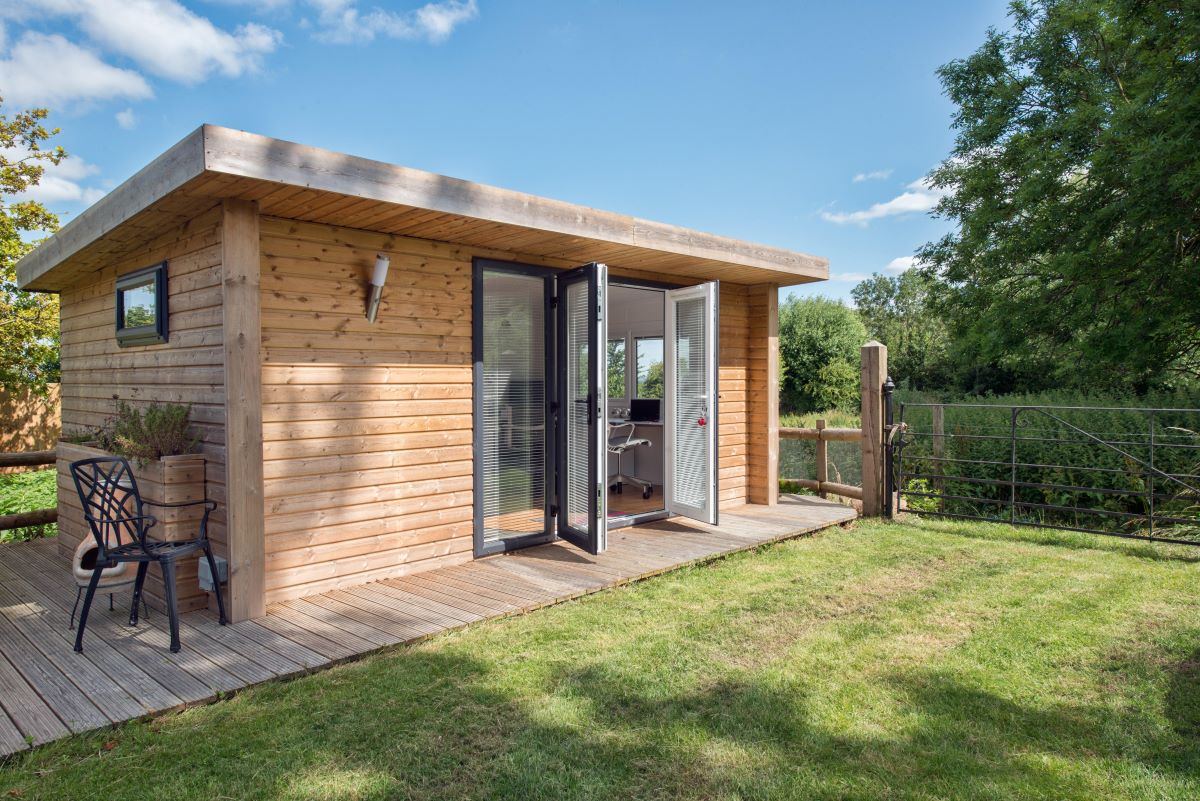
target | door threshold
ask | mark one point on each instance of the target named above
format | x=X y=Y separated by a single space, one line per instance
x=625 y=521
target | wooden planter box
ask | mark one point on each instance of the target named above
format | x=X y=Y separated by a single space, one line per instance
x=168 y=480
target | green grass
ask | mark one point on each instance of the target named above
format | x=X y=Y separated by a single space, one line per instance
x=834 y=418
x=918 y=660
x=26 y=492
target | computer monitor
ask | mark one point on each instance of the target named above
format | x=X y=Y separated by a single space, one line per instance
x=643 y=410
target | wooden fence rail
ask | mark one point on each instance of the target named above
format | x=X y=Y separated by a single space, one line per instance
x=28 y=459
x=37 y=517
x=822 y=435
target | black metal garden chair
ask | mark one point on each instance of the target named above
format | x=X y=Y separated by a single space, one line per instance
x=114 y=511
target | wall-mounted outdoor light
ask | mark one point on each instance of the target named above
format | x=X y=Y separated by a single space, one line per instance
x=377 y=282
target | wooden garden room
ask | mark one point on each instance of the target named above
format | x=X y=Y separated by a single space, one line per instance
x=396 y=375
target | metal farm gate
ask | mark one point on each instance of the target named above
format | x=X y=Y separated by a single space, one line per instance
x=1116 y=471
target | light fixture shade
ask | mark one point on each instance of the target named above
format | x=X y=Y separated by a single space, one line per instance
x=382 y=263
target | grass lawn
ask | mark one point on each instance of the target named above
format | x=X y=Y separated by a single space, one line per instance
x=834 y=418
x=919 y=660
x=26 y=492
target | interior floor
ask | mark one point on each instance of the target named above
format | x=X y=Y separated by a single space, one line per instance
x=630 y=502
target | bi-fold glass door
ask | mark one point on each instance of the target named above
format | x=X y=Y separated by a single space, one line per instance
x=582 y=464
x=691 y=379
x=513 y=346
x=539 y=458
x=541 y=405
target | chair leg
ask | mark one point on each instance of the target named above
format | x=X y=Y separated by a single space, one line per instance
x=212 y=570
x=168 y=569
x=75 y=608
x=87 y=604
x=110 y=602
x=137 y=592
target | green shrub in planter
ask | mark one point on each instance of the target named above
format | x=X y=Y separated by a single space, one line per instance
x=148 y=434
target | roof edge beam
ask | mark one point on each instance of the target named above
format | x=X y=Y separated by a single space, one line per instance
x=178 y=165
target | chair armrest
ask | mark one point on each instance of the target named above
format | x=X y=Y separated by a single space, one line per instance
x=209 y=508
x=141 y=525
x=153 y=520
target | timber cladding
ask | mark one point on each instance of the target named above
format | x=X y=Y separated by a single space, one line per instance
x=186 y=369
x=367 y=428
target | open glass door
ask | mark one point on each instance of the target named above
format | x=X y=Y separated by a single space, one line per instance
x=582 y=407
x=691 y=402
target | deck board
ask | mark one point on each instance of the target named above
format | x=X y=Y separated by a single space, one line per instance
x=125 y=673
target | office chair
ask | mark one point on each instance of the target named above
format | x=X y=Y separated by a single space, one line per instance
x=618 y=443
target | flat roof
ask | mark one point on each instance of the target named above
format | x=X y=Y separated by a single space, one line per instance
x=293 y=181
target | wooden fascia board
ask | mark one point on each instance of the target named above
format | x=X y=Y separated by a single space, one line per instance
x=215 y=150
x=259 y=157
x=178 y=165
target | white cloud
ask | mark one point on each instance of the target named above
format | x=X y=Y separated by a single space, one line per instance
x=848 y=277
x=259 y=6
x=341 y=22
x=127 y=119
x=62 y=182
x=902 y=263
x=920 y=197
x=165 y=38
x=48 y=70
x=874 y=175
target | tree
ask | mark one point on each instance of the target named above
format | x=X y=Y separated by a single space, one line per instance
x=28 y=321
x=616 y=368
x=819 y=341
x=652 y=385
x=1075 y=185
x=898 y=311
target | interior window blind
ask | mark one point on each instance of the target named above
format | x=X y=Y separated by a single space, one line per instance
x=514 y=386
x=691 y=399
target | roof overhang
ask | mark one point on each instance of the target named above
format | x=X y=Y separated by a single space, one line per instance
x=306 y=183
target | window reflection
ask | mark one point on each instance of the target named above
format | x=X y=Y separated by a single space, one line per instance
x=649 y=367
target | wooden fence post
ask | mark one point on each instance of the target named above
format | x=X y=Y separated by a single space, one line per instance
x=874 y=374
x=939 y=451
x=822 y=459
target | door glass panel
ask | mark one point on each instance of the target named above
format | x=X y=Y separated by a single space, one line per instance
x=513 y=431
x=691 y=452
x=579 y=450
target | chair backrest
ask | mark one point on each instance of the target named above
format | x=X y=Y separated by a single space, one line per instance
x=619 y=434
x=112 y=505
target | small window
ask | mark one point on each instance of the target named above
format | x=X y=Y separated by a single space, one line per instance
x=649 y=366
x=142 y=307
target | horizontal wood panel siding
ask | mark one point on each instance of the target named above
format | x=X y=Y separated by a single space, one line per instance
x=367 y=429
x=733 y=434
x=762 y=399
x=186 y=369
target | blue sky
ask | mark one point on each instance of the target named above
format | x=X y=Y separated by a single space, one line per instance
x=803 y=125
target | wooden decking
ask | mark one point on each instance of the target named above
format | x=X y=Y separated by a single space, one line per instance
x=47 y=691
